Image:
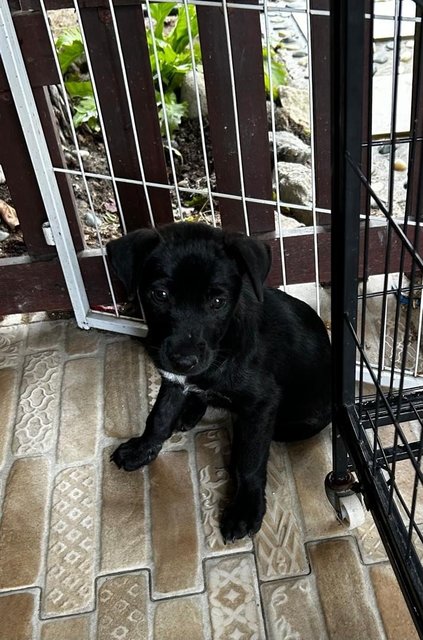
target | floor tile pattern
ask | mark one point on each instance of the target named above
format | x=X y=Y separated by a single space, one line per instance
x=90 y=552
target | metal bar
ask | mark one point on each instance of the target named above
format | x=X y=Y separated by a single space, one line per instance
x=18 y=80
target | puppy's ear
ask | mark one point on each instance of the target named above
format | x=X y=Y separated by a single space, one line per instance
x=253 y=258
x=128 y=254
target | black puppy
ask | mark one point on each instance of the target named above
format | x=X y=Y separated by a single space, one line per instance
x=219 y=337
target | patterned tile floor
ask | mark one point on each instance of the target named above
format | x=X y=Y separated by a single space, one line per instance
x=91 y=552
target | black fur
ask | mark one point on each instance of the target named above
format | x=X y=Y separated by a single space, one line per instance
x=255 y=350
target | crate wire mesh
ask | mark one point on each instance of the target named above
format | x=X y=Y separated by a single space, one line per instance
x=376 y=322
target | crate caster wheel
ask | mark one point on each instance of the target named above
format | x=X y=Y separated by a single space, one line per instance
x=345 y=499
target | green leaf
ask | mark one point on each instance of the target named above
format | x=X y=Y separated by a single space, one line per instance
x=159 y=12
x=179 y=36
x=86 y=113
x=69 y=48
x=174 y=111
x=278 y=73
x=79 y=89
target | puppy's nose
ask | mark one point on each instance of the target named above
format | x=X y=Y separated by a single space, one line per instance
x=184 y=363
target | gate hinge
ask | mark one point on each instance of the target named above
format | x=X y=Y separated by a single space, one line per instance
x=48 y=234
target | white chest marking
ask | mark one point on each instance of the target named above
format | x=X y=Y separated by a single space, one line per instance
x=181 y=380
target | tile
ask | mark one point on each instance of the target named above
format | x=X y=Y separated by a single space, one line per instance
x=37 y=415
x=71 y=559
x=81 y=412
x=23 y=521
x=122 y=608
x=212 y=456
x=179 y=619
x=153 y=382
x=310 y=463
x=234 y=601
x=174 y=536
x=12 y=343
x=72 y=628
x=284 y=604
x=346 y=601
x=396 y=618
x=123 y=526
x=125 y=402
x=8 y=392
x=80 y=341
x=279 y=544
x=369 y=542
x=16 y=613
x=45 y=336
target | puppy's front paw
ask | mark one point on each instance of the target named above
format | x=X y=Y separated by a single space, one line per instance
x=134 y=454
x=240 y=520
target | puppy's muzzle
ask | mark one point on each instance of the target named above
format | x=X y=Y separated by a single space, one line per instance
x=185 y=358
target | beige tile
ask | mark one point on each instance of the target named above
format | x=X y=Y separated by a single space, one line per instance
x=391 y=604
x=72 y=628
x=284 y=604
x=123 y=526
x=122 y=608
x=173 y=524
x=345 y=597
x=16 y=613
x=311 y=462
x=125 y=401
x=23 y=521
x=8 y=389
x=45 y=336
x=153 y=382
x=234 y=601
x=369 y=542
x=80 y=341
x=12 y=344
x=212 y=455
x=81 y=409
x=280 y=543
x=179 y=619
x=72 y=550
x=37 y=416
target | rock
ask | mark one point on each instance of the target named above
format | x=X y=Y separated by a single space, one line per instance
x=188 y=93
x=296 y=110
x=400 y=165
x=300 y=54
x=289 y=147
x=406 y=57
x=281 y=121
x=380 y=59
x=91 y=220
x=3 y=235
x=287 y=222
x=295 y=188
x=384 y=149
x=2 y=176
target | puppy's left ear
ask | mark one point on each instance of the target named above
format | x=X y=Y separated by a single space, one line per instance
x=128 y=254
x=253 y=258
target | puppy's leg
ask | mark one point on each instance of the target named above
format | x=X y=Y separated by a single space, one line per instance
x=250 y=452
x=193 y=410
x=138 y=452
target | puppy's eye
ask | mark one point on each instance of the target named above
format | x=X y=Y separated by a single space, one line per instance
x=217 y=302
x=159 y=295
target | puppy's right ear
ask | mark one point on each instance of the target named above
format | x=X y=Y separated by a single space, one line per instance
x=128 y=254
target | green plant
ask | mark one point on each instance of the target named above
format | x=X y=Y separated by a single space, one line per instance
x=278 y=72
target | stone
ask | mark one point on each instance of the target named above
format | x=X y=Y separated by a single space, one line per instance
x=295 y=188
x=81 y=413
x=189 y=93
x=22 y=525
x=396 y=618
x=300 y=54
x=8 y=389
x=91 y=220
x=296 y=107
x=380 y=59
x=281 y=121
x=123 y=520
x=346 y=602
x=406 y=56
x=4 y=235
x=289 y=147
x=173 y=526
x=400 y=165
x=16 y=613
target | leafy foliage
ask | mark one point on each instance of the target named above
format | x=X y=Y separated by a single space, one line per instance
x=170 y=53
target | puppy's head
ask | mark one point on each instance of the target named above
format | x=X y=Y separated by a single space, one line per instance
x=190 y=278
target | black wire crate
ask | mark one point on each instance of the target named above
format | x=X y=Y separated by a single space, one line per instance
x=377 y=320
